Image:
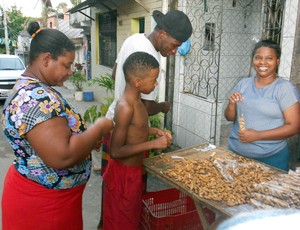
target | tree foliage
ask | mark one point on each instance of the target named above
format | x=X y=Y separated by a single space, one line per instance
x=61 y=6
x=75 y=2
x=15 y=24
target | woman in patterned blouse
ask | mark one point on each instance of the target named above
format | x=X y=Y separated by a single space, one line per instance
x=44 y=186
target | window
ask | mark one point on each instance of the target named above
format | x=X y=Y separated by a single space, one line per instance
x=137 y=25
x=11 y=67
x=141 y=25
x=209 y=41
x=108 y=38
x=11 y=63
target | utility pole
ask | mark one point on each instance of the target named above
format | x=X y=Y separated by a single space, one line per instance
x=5 y=30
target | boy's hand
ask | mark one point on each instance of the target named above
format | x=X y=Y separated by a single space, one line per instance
x=155 y=132
x=161 y=142
x=168 y=134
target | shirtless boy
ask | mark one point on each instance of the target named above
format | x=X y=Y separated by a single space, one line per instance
x=130 y=139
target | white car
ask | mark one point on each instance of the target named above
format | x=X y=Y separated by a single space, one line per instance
x=11 y=68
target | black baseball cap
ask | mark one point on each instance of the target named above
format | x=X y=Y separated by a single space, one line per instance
x=174 y=22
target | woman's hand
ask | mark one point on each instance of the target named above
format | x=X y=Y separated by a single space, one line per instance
x=248 y=135
x=107 y=125
x=235 y=97
x=98 y=145
x=230 y=111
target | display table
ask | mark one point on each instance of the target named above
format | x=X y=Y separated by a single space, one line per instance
x=160 y=164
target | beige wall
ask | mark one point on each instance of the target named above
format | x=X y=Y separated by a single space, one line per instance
x=125 y=15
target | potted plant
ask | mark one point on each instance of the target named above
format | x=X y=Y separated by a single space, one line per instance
x=77 y=79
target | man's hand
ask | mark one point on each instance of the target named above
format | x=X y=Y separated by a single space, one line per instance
x=154 y=107
x=165 y=106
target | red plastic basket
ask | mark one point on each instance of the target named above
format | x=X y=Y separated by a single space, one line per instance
x=171 y=209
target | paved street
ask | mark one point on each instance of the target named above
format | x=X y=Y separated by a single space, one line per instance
x=92 y=193
x=6 y=158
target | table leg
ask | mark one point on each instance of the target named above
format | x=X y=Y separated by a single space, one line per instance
x=205 y=224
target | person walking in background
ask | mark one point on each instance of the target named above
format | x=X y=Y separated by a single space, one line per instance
x=44 y=186
x=123 y=185
x=267 y=108
x=172 y=29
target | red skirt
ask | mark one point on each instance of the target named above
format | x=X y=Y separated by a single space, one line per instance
x=28 y=205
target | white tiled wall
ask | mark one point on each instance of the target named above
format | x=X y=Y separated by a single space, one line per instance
x=194 y=118
x=288 y=38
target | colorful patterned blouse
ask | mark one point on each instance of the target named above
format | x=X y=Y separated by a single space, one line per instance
x=34 y=102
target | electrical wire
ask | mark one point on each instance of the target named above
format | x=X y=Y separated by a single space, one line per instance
x=26 y=22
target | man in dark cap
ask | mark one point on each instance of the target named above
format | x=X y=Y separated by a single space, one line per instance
x=172 y=29
x=175 y=23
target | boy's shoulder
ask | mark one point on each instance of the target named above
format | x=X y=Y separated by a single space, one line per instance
x=124 y=103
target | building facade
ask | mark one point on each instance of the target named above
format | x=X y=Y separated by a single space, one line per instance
x=199 y=83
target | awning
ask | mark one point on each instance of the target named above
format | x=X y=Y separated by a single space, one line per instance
x=88 y=4
x=104 y=3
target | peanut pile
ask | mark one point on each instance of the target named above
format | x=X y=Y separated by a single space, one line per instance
x=226 y=179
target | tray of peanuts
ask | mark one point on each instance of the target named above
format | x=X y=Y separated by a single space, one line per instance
x=224 y=181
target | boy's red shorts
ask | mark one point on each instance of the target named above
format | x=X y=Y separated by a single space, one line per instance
x=122 y=202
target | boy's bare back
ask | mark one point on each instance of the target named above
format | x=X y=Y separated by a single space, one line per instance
x=131 y=119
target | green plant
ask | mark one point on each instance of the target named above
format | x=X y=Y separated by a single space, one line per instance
x=155 y=120
x=91 y=114
x=104 y=81
x=77 y=80
x=104 y=106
